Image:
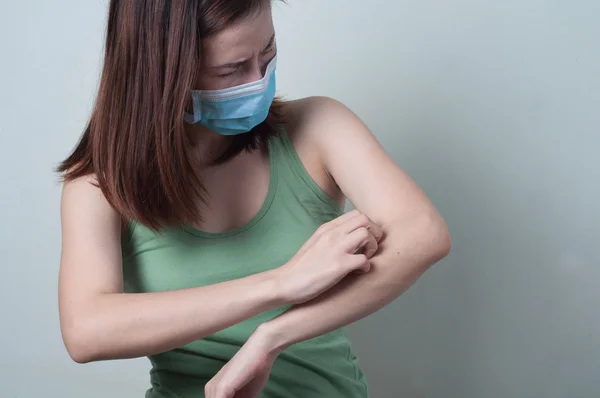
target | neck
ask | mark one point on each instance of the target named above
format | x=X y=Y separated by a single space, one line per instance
x=207 y=144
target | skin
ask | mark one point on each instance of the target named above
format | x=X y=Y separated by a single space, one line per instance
x=415 y=237
x=235 y=56
x=401 y=232
x=100 y=322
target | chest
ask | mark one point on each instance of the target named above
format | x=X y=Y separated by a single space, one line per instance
x=260 y=211
x=236 y=191
x=180 y=258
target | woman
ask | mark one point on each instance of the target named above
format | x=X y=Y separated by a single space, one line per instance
x=202 y=219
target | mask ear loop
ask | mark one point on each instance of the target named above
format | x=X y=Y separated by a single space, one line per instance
x=196 y=116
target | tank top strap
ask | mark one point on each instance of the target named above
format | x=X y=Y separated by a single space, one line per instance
x=292 y=174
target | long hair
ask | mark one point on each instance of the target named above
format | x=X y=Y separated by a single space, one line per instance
x=135 y=143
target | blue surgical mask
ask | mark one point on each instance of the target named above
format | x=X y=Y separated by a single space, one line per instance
x=235 y=110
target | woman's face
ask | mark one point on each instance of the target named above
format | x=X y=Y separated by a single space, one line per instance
x=238 y=54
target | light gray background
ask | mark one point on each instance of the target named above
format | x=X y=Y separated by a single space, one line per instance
x=493 y=107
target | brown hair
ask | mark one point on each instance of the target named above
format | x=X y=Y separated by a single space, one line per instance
x=135 y=143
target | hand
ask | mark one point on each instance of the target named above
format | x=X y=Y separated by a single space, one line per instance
x=337 y=248
x=246 y=374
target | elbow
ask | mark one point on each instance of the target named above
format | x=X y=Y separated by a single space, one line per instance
x=414 y=245
x=418 y=242
x=425 y=240
x=78 y=342
x=436 y=238
x=79 y=356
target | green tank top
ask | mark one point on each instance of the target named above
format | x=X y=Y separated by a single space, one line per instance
x=185 y=257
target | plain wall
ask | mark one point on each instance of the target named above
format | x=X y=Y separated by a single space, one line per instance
x=492 y=107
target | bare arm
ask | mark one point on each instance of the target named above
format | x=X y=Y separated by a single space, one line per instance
x=98 y=321
x=415 y=235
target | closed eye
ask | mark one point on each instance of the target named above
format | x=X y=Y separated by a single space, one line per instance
x=228 y=73
x=270 y=45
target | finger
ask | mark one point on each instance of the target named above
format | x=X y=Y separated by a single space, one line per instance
x=222 y=391
x=369 y=247
x=375 y=230
x=328 y=227
x=217 y=389
x=209 y=388
x=255 y=387
x=336 y=222
x=362 y=220
x=360 y=238
x=359 y=263
x=237 y=375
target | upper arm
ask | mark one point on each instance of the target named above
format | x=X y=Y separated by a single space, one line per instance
x=364 y=172
x=91 y=247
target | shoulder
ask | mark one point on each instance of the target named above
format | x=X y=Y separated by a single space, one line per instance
x=311 y=127
x=324 y=121
x=82 y=199
x=81 y=188
x=325 y=126
x=318 y=113
x=327 y=135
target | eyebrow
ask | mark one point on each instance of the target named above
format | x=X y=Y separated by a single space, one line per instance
x=240 y=63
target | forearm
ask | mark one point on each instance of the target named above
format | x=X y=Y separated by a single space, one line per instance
x=409 y=248
x=116 y=326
